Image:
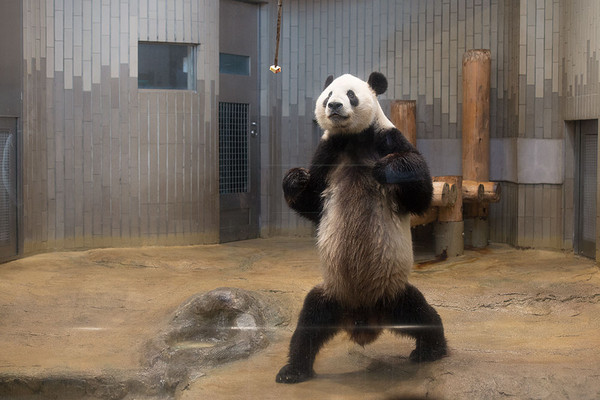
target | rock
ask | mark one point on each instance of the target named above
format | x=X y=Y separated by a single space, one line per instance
x=211 y=329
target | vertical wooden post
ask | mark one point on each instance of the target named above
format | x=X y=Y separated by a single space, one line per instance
x=449 y=228
x=476 y=139
x=476 y=115
x=404 y=116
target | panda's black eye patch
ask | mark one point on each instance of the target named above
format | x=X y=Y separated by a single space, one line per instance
x=327 y=99
x=352 y=97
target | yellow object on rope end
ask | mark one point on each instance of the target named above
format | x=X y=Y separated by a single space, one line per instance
x=275 y=69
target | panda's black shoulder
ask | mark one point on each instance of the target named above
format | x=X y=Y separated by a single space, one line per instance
x=391 y=140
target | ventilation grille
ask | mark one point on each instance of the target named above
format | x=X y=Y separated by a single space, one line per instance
x=590 y=144
x=233 y=148
x=6 y=185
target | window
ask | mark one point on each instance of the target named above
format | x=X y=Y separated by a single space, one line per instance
x=234 y=64
x=166 y=66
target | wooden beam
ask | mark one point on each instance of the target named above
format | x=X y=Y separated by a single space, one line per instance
x=472 y=191
x=429 y=216
x=491 y=191
x=452 y=213
x=441 y=194
x=444 y=194
x=404 y=116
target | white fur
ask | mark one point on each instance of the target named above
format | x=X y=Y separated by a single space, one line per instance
x=356 y=118
x=365 y=246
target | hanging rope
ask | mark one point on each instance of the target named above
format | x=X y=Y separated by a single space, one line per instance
x=276 y=68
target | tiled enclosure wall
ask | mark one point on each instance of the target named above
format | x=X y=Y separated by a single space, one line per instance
x=529 y=158
x=559 y=81
x=580 y=88
x=417 y=44
x=106 y=164
x=539 y=210
x=580 y=59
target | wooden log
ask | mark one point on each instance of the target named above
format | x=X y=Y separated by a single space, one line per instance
x=451 y=213
x=430 y=216
x=452 y=195
x=472 y=191
x=476 y=209
x=449 y=238
x=444 y=194
x=449 y=227
x=491 y=191
x=476 y=67
x=404 y=117
x=441 y=194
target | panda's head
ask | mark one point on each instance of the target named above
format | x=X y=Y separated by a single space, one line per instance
x=349 y=104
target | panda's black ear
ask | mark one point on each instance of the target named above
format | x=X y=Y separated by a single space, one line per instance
x=328 y=81
x=378 y=82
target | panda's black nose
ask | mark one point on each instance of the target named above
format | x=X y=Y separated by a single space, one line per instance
x=335 y=106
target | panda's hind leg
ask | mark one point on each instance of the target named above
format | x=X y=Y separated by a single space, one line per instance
x=410 y=314
x=319 y=321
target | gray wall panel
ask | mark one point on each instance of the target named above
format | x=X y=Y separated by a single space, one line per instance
x=108 y=164
x=417 y=44
x=105 y=179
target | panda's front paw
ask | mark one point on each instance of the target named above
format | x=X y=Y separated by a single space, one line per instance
x=396 y=168
x=294 y=182
x=289 y=374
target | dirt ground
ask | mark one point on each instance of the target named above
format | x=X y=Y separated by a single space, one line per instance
x=520 y=324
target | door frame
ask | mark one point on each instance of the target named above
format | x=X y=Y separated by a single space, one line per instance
x=11 y=250
x=581 y=246
x=252 y=200
x=11 y=110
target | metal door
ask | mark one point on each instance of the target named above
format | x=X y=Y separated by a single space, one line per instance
x=8 y=188
x=238 y=116
x=585 y=233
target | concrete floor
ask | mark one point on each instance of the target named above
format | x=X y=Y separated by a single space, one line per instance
x=523 y=324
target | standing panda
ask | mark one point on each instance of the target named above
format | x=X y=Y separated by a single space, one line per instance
x=364 y=183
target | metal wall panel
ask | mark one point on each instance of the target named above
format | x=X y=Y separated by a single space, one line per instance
x=139 y=177
x=11 y=27
x=106 y=164
x=418 y=45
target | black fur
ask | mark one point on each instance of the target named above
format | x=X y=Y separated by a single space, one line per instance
x=319 y=321
x=387 y=157
x=398 y=166
x=378 y=82
x=328 y=81
x=321 y=318
x=417 y=319
x=405 y=174
x=327 y=99
x=352 y=97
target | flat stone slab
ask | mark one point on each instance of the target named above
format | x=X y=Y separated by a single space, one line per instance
x=209 y=330
x=520 y=323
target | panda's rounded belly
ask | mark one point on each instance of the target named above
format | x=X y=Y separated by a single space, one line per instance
x=365 y=247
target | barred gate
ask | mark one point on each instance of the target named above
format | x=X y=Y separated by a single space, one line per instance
x=239 y=159
x=8 y=188
x=233 y=148
x=586 y=184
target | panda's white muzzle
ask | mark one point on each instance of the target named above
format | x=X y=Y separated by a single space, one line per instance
x=336 y=112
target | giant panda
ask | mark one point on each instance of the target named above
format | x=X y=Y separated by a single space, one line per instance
x=364 y=182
